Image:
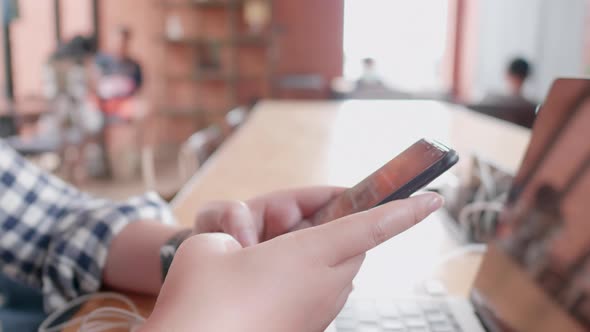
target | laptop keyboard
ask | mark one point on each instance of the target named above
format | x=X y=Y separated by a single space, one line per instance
x=396 y=316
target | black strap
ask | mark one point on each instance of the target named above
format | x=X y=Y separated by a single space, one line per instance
x=169 y=249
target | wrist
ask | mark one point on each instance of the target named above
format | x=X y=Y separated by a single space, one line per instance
x=138 y=245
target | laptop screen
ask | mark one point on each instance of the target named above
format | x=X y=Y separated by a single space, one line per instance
x=536 y=275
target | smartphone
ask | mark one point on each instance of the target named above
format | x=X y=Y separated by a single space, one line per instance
x=410 y=171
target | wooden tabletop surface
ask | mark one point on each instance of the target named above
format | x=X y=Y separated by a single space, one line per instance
x=287 y=144
x=290 y=144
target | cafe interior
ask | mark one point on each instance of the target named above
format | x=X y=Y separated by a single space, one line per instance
x=210 y=100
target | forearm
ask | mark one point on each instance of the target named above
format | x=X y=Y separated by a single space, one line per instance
x=133 y=263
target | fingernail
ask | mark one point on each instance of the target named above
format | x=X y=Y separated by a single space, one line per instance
x=247 y=237
x=228 y=241
x=436 y=202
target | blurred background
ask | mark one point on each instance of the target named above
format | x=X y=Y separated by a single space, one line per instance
x=120 y=96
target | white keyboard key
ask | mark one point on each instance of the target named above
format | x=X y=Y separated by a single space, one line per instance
x=347 y=312
x=418 y=329
x=386 y=309
x=409 y=309
x=431 y=306
x=442 y=327
x=369 y=328
x=364 y=304
x=401 y=329
x=367 y=315
x=392 y=324
x=345 y=323
x=436 y=317
x=415 y=322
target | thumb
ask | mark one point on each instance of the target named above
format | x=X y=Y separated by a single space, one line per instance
x=209 y=244
x=232 y=217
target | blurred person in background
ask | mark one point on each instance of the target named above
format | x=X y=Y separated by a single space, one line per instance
x=369 y=76
x=370 y=85
x=119 y=81
x=517 y=73
x=74 y=120
x=119 y=76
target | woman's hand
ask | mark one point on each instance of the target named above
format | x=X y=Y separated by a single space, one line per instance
x=265 y=217
x=295 y=282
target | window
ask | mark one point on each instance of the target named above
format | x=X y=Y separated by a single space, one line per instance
x=407 y=39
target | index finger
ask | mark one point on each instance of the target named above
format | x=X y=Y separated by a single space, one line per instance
x=353 y=235
x=280 y=211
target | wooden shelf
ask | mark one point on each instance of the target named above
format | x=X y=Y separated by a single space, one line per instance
x=241 y=40
x=189 y=112
x=181 y=112
x=202 y=77
x=234 y=79
x=212 y=77
x=192 y=41
x=261 y=40
x=202 y=3
x=195 y=3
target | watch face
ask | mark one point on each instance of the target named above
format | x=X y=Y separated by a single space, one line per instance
x=167 y=252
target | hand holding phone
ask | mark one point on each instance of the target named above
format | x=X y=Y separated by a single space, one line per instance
x=408 y=172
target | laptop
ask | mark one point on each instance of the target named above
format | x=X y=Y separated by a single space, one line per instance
x=535 y=275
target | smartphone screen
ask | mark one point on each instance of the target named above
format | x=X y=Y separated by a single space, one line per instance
x=390 y=178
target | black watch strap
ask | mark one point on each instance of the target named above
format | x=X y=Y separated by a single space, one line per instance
x=168 y=250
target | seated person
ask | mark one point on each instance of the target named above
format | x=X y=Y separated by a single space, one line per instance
x=370 y=85
x=518 y=71
x=369 y=77
x=63 y=243
x=511 y=106
x=119 y=78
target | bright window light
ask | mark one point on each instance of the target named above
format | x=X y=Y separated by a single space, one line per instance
x=407 y=39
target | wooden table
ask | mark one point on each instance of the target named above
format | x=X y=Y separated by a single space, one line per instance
x=27 y=110
x=23 y=114
x=293 y=144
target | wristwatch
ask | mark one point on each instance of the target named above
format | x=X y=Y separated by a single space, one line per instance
x=168 y=250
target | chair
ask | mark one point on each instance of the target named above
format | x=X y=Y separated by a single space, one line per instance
x=192 y=155
x=235 y=118
x=8 y=126
x=197 y=149
x=20 y=128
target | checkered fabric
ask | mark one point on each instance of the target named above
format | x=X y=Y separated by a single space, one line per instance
x=56 y=238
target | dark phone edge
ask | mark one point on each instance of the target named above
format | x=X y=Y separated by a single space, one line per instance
x=424 y=178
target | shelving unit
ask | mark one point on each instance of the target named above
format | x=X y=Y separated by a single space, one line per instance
x=216 y=64
x=237 y=40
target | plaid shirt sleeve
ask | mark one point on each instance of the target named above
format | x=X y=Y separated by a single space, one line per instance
x=56 y=238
